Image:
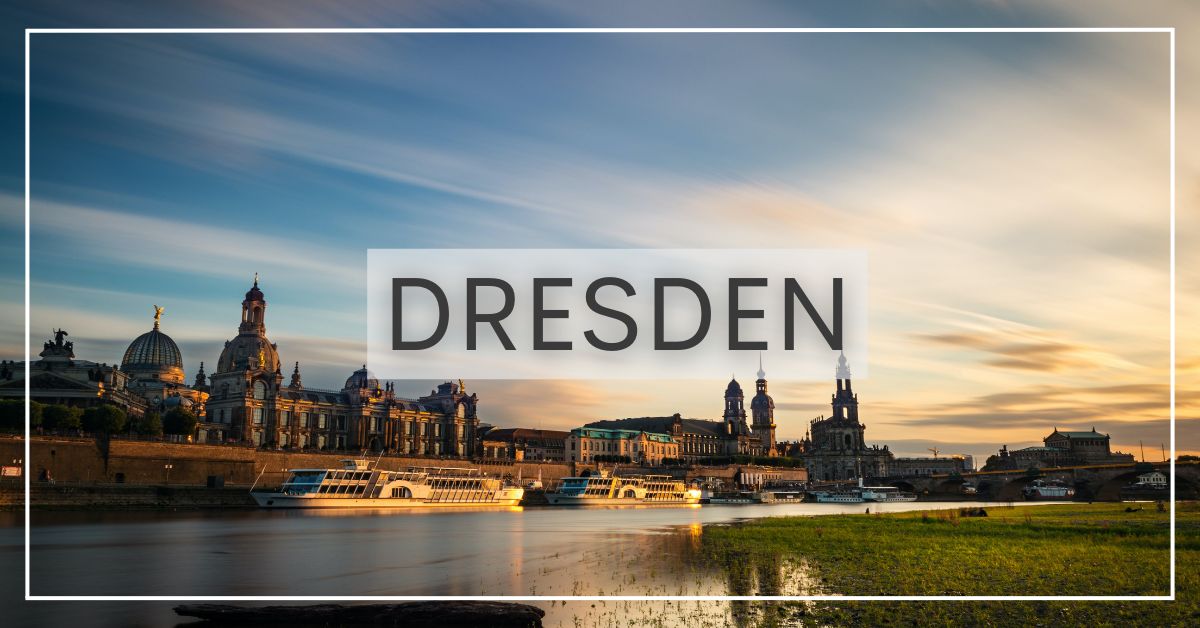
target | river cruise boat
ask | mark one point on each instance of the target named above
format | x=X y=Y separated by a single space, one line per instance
x=357 y=485
x=1041 y=489
x=860 y=494
x=614 y=490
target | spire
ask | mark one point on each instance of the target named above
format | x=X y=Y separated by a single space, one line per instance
x=296 y=383
x=201 y=380
x=843 y=367
x=761 y=373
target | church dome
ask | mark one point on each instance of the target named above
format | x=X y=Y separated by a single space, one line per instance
x=762 y=401
x=154 y=355
x=734 y=388
x=361 y=379
x=248 y=352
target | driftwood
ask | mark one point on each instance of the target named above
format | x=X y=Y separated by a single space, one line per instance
x=410 y=614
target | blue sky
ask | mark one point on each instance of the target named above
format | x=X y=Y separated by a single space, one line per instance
x=1007 y=187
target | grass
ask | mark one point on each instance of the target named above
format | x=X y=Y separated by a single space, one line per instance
x=1076 y=549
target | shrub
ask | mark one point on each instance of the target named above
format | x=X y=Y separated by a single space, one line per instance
x=149 y=424
x=179 y=421
x=104 y=419
x=59 y=417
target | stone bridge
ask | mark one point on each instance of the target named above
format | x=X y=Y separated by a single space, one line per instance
x=1098 y=482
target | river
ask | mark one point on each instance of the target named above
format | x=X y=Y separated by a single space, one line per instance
x=525 y=552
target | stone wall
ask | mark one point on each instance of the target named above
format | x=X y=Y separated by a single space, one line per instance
x=81 y=461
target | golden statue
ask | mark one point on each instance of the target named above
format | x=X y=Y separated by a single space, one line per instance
x=262 y=358
x=462 y=388
x=158 y=312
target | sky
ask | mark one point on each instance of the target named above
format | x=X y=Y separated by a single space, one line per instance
x=1011 y=190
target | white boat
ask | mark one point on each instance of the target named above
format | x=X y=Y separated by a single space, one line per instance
x=614 y=490
x=1041 y=489
x=860 y=494
x=357 y=485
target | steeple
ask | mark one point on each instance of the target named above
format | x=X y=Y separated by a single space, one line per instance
x=845 y=402
x=761 y=373
x=201 y=380
x=296 y=383
x=254 y=308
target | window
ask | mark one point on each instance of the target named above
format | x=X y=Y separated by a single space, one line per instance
x=304 y=420
x=260 y=390
x=258 y=416
x=321 y=420
x=283 y=439
x=285 y=418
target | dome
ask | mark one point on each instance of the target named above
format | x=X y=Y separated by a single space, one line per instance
x=733 y=388
x=762 y=401
x=248 y=352
x=361 y=379
x=154 y=353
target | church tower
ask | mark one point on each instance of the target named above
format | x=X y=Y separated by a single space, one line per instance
x=845 y=402
x=735 y=409
x=247 y=380
x=762 y=411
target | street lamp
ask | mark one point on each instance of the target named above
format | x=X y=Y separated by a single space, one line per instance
x=168 y=468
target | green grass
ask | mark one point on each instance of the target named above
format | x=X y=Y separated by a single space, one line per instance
x=1076 y=549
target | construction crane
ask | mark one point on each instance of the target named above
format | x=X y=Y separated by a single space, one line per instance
x=935 y=451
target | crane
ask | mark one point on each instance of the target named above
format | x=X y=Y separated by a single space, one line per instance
x=935 y=451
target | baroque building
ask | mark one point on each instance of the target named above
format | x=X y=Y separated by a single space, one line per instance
x=250 y=403
x=835 y=447
x=154 y=366
x=588 y=444
x=59 y=378
x=1059 y=449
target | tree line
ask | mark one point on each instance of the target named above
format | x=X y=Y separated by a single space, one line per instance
x=98 y=419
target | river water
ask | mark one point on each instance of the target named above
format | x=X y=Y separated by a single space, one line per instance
x=524 y=552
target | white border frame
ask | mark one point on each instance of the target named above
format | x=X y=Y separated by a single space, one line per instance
x=825 y=598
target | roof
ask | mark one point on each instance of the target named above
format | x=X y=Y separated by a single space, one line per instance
x=1048 y=449
x=662 y=424
x=616 y=434
x=1091 y=434
x=513 y=433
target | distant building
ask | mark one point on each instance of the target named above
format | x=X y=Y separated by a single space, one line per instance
x=701 y=439
x=518 y=443
x=585 y=444
x=835 y=447
x=1060 y=449
x=155 y=368
x=945 y=465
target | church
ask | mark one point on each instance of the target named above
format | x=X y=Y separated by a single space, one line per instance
x=250 y=403
x=835 y=447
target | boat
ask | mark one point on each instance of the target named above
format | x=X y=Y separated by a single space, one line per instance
x=358 y=485
x=613 y=490
x=1041 y=489
x=860 y=494
x=734 y=497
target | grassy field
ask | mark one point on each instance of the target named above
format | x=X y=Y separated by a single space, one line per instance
x=1076 y=549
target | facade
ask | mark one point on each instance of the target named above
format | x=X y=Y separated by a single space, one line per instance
x=250 y=403
x=585 y=444
x=702 y=439
x=1059 y=449
x=520 y=443
x=835 y=448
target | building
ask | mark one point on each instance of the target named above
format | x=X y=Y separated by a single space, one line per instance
x=250 y=403
x=59 y=378
x=1059 y=449
x=835 y=447
x=921 y=466
x=154 y=366
x=520 y=443
x=592 y=444
x=702 y=439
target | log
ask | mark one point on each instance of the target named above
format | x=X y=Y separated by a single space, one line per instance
x=431 y=614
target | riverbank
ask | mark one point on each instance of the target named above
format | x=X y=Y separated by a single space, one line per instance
x=1069 y=549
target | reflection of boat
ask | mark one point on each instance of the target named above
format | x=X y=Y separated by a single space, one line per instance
x=357 y=485
x=608 y=490
x=1041 y=489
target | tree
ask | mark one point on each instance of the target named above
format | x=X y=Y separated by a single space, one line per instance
x=35 y=414
x=104 y=419
x=149 y=424
x=12 y=414
x=59 y=417
x=179 y=421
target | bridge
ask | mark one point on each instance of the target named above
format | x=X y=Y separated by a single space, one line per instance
x=1092 y=482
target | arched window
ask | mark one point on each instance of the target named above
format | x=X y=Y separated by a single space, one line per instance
x=847 y=441
x=260 y=390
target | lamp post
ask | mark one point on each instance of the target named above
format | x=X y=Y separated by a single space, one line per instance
x=167 y=467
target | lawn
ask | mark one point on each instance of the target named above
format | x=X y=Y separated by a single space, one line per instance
x=1075 y=549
